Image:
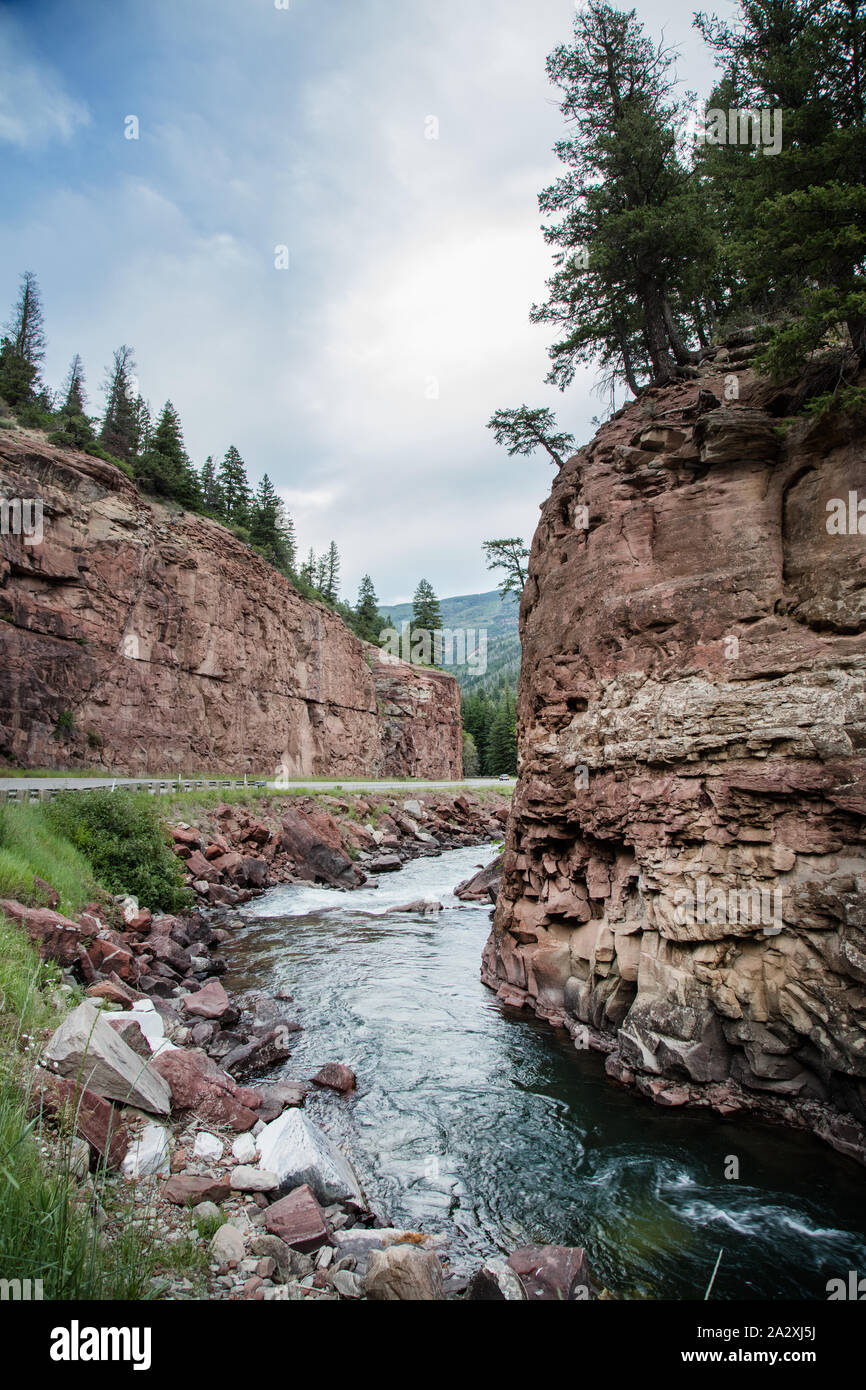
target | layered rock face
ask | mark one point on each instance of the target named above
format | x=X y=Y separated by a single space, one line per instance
x=685 y=871
x=161 y=643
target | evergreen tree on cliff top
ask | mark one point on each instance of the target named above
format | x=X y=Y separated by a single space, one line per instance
x=633 y=248
x=797 y=219
x=234 y=488
x=23 y=346
x=119 y=434
x=368 y=620
x=74 y=428
x=426 y=614
x=165 y=468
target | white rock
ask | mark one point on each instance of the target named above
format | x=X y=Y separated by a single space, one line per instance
x=227 y=1244
x=244 y=1148
x=298 y=1152
x=128 y=906
x=247 y=1179
x=347 y=1284
x=150 y=1022
x=86 y=1046
x=148 y=1153
x=208 y=1147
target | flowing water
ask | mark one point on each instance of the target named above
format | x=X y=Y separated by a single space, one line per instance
x=479 y=1120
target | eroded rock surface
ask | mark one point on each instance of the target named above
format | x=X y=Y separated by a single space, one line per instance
x=684 y=877
x=166 y=645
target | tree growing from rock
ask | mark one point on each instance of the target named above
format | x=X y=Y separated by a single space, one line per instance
x=509 y=555
x=524 y=430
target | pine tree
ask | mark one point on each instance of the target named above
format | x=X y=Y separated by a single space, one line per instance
x=523 y=431
x=329 y=574
x=368 y=620
x=74 y=427
x=632 y=235
x=502 y=746
x=509 y=555
x=120 y=425
x=211 y=499
x=234 y=488
x=799 y=218
x=271 y=529
x=165 y=468
x=308 y=569
x=471 y=763
x=426 y=614
x=23 y=346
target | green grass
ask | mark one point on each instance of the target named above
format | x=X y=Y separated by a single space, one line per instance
x=122 y=837
x=30 y=847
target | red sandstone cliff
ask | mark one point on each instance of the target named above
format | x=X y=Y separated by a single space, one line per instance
x=692 y=722
x=175 y=648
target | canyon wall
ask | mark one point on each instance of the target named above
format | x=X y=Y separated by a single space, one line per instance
x=148 y=639
x=685 y=871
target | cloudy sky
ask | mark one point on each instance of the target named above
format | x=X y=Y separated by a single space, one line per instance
x=360 y=378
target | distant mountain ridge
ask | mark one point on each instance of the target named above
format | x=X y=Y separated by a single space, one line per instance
x=487 y=612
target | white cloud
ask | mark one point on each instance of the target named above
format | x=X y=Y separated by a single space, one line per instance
x=35 y=109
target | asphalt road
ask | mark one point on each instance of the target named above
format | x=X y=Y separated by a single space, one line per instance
x=81 y=783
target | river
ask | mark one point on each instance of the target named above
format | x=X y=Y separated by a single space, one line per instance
x=481 y=1121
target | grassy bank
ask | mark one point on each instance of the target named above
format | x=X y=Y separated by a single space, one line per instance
x=77 y=1228
x=88 y=847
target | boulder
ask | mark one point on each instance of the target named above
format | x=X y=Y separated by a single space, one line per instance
x=210 y=1002
x=57 y=937
x=198 y=1084
x=403 y=1273
x=298 y=1152
x=185 y=1189
x=315 y=851
x=109 y=957
x=245 y=1178
x=92 y=1117
x=298 y=1220
x=336 y=1076
x=149 y=1153
x=495 y=1281
x=385 y=864
x=259 y=1053
x=227 y=1246
x=552 y=1272
x=483 y=886
x=87 y=1047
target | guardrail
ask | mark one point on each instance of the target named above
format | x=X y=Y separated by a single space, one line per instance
x=156 y=786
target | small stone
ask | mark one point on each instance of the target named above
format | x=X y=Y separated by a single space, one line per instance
x=244 y=1148
x=336 y=1076
x=227 y=1245
x=208 y=1146
x=245 y=1178
x=347 y=1284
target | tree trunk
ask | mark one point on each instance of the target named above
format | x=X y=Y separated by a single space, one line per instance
x=663 y=364
x=683 y=354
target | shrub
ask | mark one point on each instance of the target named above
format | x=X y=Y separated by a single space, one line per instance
x=65 y=723
x=122 y=838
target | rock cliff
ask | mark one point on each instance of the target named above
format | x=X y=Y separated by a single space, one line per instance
x=685 y=876
x=161 y=643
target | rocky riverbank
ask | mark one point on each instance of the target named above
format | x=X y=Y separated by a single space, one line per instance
x=169 y=1085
